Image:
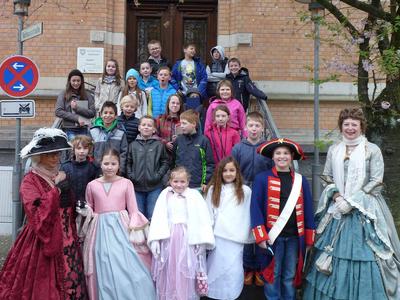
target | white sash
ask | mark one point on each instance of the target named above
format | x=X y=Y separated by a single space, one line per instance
x=287 y=210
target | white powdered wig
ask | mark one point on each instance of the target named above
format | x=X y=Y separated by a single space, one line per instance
x=40 y=134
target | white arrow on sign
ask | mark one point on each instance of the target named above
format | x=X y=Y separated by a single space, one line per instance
x=16 y=66
x=19 y=87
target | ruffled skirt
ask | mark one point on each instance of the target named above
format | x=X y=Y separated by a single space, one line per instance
x=121 y=273
x=355 y=272
x=175 y=270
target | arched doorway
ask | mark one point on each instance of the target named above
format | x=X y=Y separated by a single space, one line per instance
x=174 y=23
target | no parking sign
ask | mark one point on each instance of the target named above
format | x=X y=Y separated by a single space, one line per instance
x=19 y=76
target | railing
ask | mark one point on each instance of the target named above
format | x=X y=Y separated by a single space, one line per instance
x=270 y=125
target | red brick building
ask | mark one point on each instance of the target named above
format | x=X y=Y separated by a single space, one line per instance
x=266 y=36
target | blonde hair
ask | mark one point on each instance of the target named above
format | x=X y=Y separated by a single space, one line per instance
x=255 y=116
x=179 y=170
x=129 y=98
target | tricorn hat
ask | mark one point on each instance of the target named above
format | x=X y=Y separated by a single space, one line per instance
x=267 y=148
x=46 y=140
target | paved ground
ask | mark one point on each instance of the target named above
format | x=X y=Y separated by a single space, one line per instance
x=5 y=245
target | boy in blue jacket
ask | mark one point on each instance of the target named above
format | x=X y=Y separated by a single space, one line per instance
x=160 y=93
x=251 y=163
x=193 y=151
x=190 y=73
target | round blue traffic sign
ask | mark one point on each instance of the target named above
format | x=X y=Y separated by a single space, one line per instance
x=19 y=76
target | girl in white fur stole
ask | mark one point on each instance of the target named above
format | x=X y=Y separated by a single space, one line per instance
x=180 y=233
x=229 y=203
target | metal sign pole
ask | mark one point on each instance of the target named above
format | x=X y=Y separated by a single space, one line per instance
x=17 y=176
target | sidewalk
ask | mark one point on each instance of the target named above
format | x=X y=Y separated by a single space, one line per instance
x=5 y=245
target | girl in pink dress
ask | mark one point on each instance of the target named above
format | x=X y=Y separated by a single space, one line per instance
x=180 y=232
x=114 y=267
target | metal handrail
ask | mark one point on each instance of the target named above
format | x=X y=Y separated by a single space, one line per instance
x=271 y=125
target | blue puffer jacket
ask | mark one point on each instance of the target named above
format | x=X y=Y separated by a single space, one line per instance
x=159 y=99
x=201 y=76
x=251 y=163
x=152 y=82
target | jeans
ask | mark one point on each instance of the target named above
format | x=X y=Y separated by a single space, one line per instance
x=146 y=201
x=72 y=132
x=286 y=256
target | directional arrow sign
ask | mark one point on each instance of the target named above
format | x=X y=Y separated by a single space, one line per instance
x=19 y=76
x=16 y=66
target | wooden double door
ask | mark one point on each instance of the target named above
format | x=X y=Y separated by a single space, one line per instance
x=173 y=22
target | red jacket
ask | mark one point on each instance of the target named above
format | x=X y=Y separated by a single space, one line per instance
x=222 y=140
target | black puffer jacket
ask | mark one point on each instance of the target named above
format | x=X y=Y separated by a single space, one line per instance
x=148 y=163
x=244 y=87
x=193 y=151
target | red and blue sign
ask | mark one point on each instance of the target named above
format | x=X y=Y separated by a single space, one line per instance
x=19 y=76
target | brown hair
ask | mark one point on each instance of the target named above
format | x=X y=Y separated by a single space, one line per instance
x=117 y=73
x=217 y=182
x=255 y=116
x=227 y=83
x=84 y=140
x=188 y=44
x=69 y=90
x=152 y=42
x=164 y=68
x=148 y=118
x=110 y=151
x=355 y=114
x=138 y=91
x=111 y=105
x=191 y=116
x=223 y=108
x=181 y=108
x=234 y=59
x=177 y=170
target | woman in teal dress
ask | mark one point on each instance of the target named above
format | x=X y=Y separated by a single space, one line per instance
x=354 y=219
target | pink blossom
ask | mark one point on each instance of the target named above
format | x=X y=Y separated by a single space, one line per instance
x=367 y=66
x=385 y=105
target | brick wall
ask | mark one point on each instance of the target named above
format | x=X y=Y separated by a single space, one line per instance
x=279 y=50
x=65 y=27
x=300 y=114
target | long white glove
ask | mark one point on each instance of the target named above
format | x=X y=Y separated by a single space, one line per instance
x=343 y=206
x=155 y=249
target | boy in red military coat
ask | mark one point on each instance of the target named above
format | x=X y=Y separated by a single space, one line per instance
x=282 y=219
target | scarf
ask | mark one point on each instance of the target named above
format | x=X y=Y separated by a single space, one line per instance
x=46 y=174
x=109 y=79
x=356 y=170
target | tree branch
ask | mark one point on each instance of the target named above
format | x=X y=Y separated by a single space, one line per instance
x=340 y=17
x=378 y=13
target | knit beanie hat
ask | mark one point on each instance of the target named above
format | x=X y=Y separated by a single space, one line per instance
x=132 y=73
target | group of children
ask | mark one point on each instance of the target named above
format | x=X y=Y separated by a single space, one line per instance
x=157 y=166
x=166 y=179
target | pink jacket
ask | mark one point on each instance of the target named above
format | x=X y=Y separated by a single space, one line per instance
x=222 y=140
x=237 y=118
